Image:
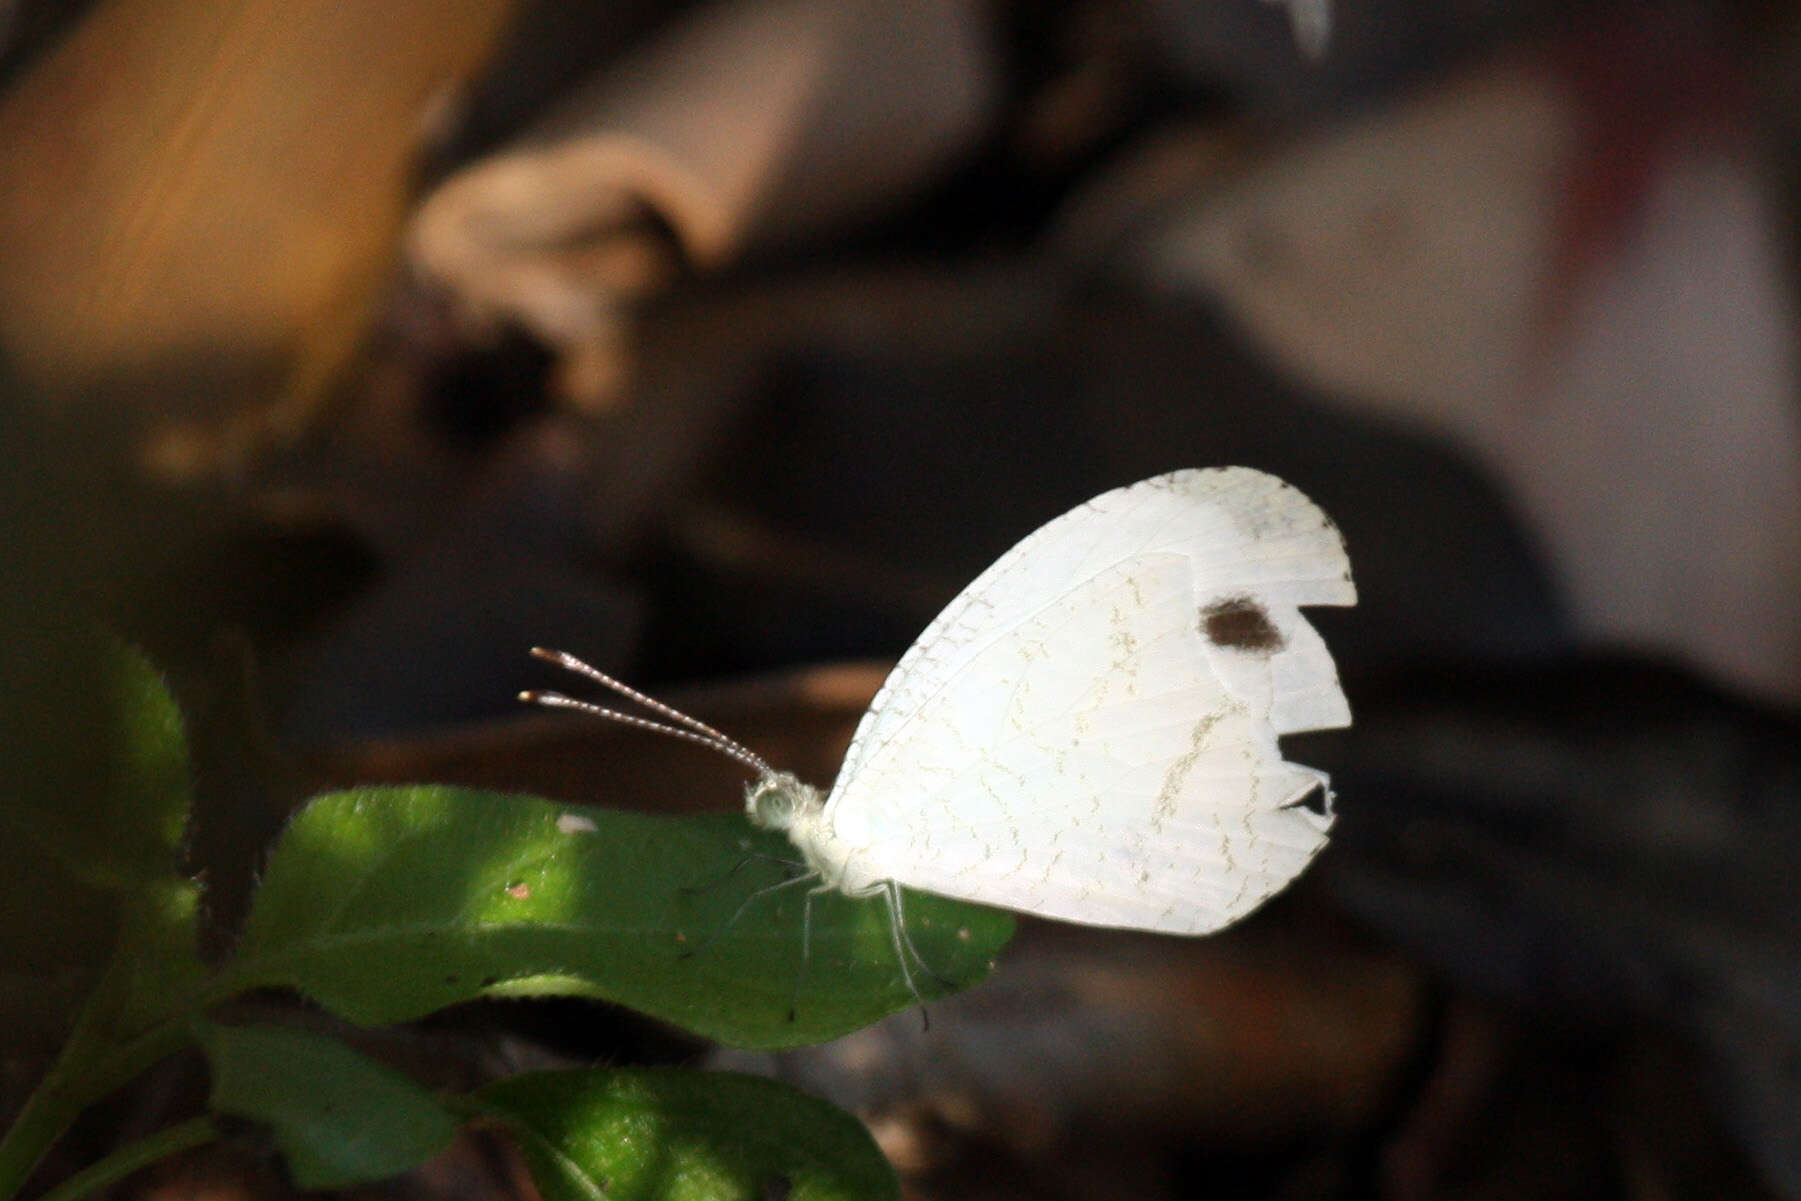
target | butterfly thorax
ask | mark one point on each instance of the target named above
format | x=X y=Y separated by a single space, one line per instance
x=778 y=800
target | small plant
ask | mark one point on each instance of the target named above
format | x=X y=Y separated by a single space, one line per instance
x=383 y=905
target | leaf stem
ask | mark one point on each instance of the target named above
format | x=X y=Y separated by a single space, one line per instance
x=78 y=1079
x=132 y=1156
x=47 y=1113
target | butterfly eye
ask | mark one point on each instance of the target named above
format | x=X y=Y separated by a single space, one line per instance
x=1239 y=623
x=771 y=804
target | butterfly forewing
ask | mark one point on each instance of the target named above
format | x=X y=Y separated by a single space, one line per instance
x=1089 y=730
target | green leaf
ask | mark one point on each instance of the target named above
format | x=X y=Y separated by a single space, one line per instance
x=339 y=1117
x=95 y=817
x=667 y=1135
x=155 y=964
x=386 y=904
x=126 y=841
x=99 y=805
x=152 y=792
x=155 y=973
x=114 y=808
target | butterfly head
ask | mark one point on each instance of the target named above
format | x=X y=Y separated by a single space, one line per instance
x=777 y=800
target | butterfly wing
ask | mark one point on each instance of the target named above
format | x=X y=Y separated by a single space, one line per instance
x=1089 y=730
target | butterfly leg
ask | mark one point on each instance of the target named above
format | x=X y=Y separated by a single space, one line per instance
x=806 y=944
x=902 y=944
x=692 y=890
x=905 y=951
x=898 y=928
x=746 y=904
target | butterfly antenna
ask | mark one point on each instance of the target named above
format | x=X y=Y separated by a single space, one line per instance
x=684 y=727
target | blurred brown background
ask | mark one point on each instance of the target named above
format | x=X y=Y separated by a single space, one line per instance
x=349 y=350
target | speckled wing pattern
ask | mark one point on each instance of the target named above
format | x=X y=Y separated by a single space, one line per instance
x=1088 y=731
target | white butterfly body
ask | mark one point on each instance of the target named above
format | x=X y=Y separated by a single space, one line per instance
x=1088 y=731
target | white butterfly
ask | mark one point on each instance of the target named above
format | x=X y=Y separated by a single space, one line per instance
x=1088 y=731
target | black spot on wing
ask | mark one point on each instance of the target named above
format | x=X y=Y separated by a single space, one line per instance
x=1241 y=624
